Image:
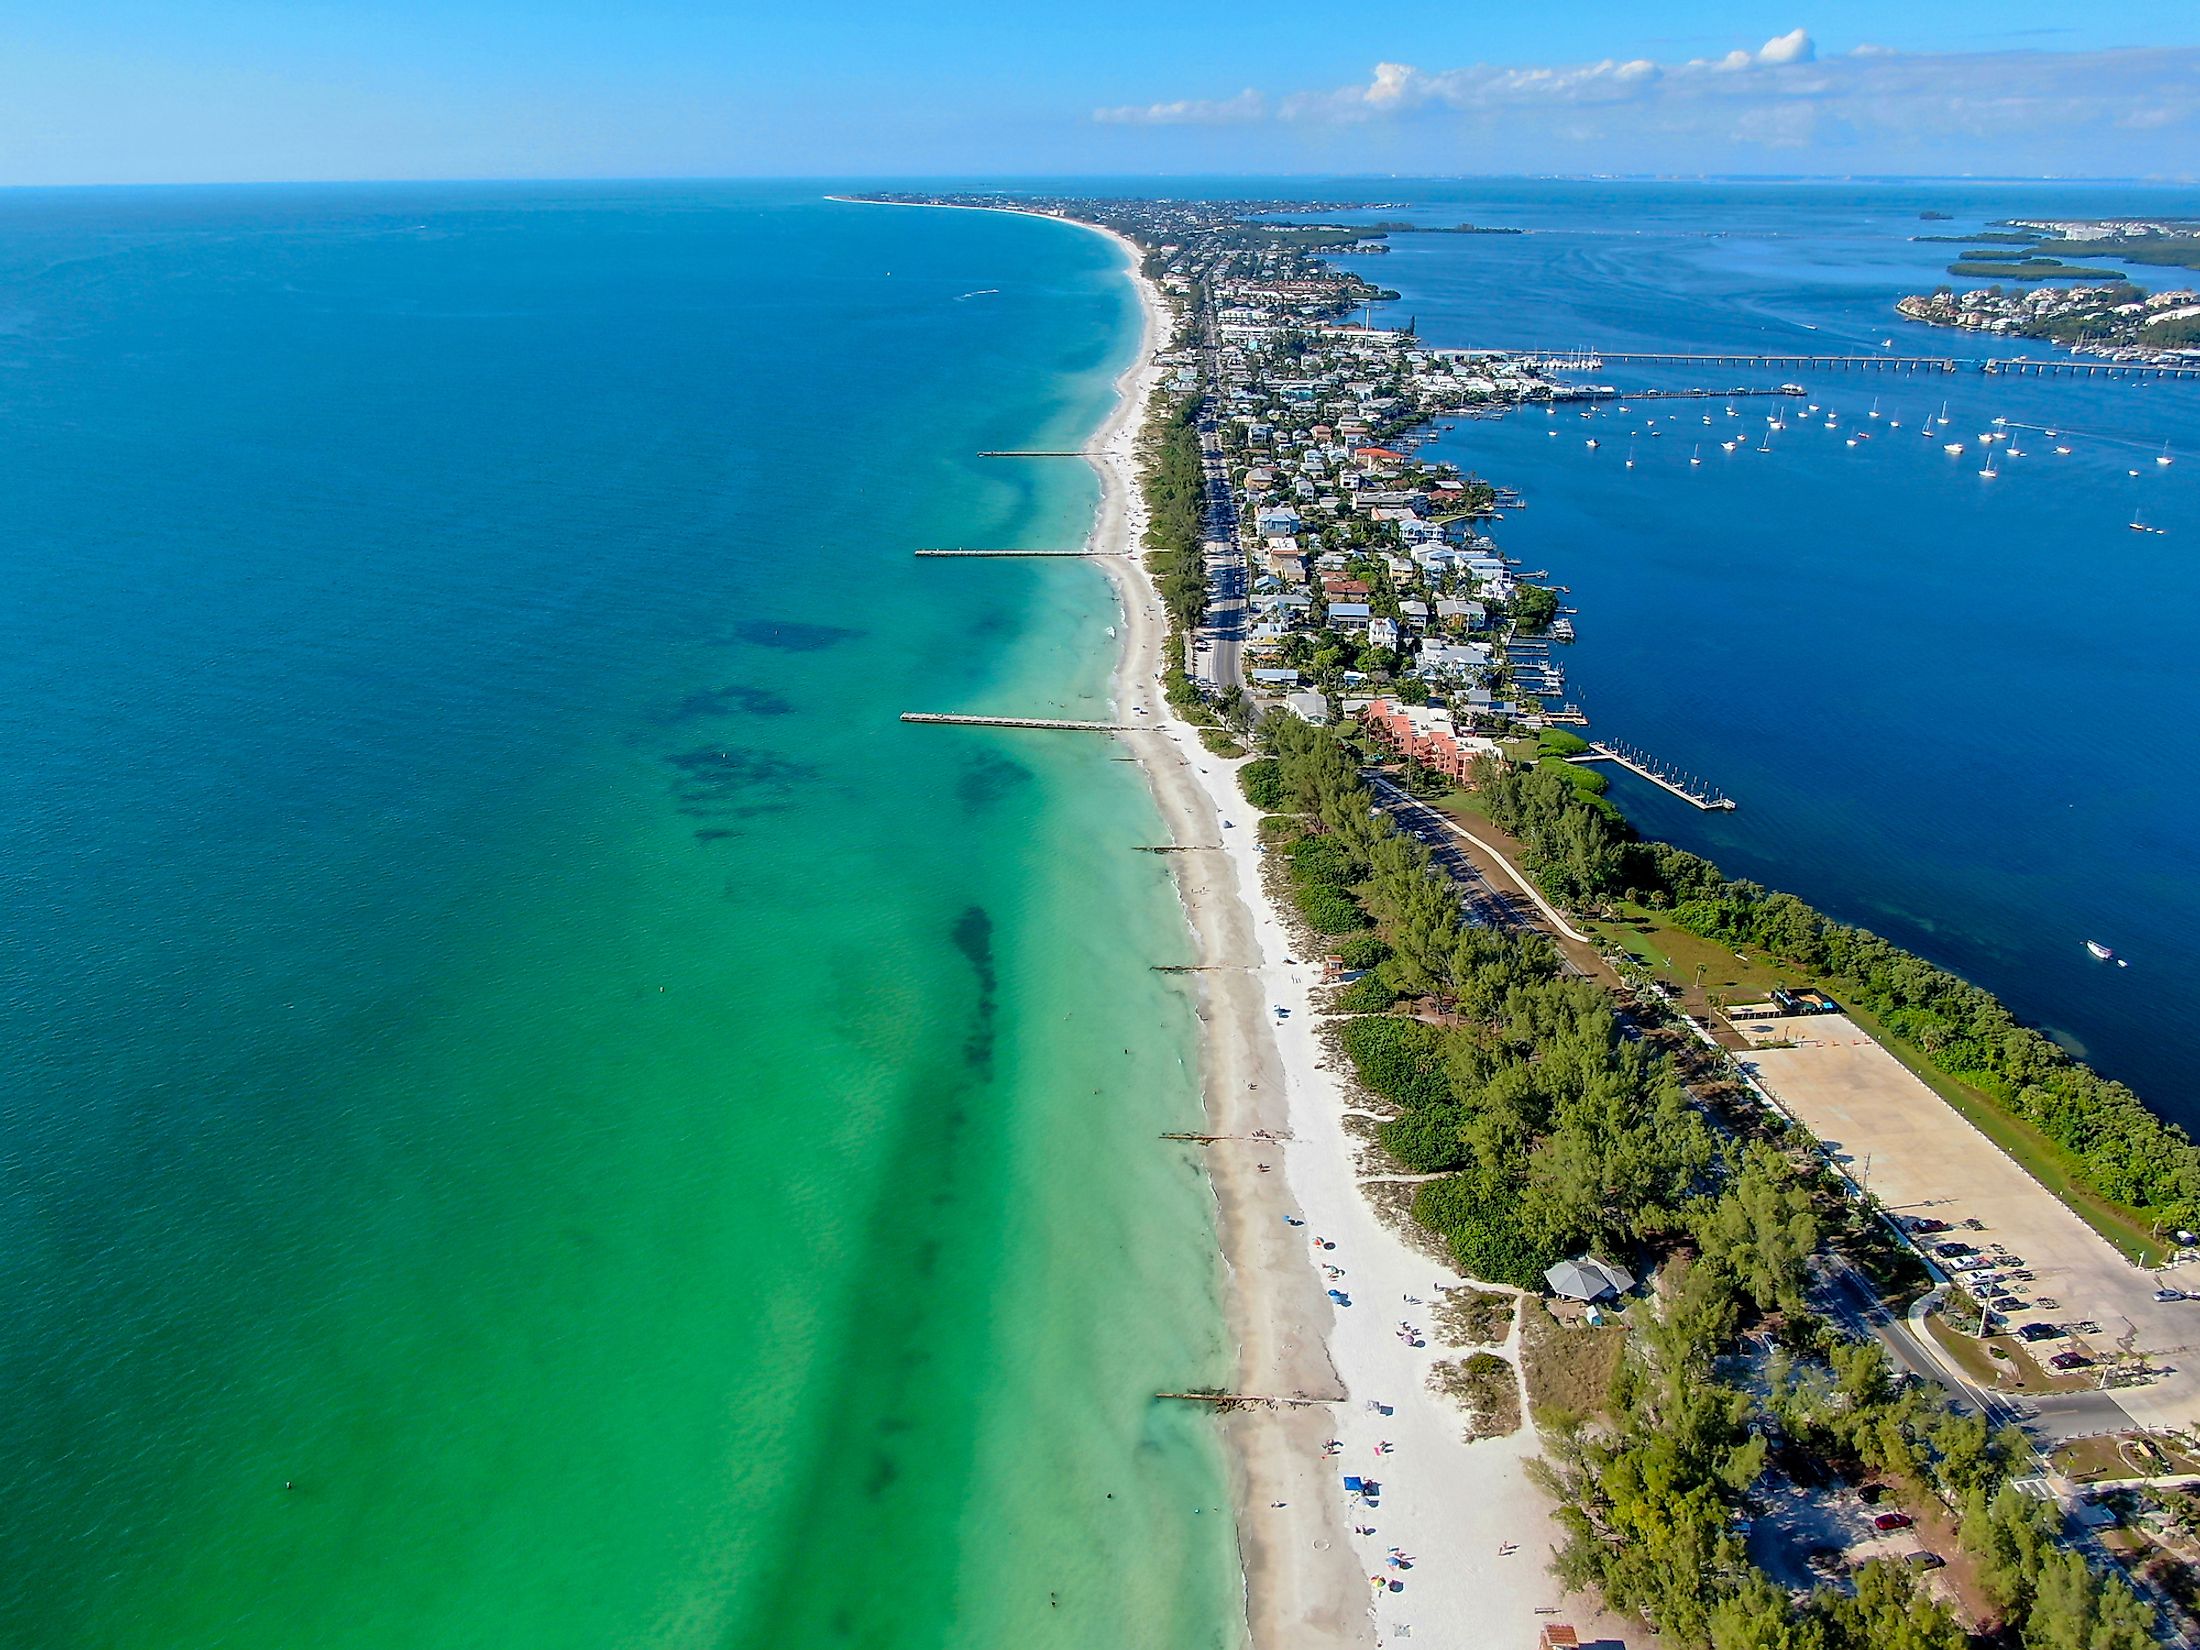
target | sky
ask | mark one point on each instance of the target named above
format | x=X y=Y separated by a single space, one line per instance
x=134 y=91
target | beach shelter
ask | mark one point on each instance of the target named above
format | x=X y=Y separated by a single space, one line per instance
x=1588 y=1279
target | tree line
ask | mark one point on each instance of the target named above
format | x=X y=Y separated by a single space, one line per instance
x=1582 y=853
x=1554 y=1131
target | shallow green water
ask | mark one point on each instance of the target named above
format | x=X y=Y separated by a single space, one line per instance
x=505 y=1033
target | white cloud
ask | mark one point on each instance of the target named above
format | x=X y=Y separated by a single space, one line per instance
x=1795 y=46
x=2062 y=109
x=1247 y=105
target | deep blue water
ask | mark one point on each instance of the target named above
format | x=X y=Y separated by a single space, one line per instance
x=1952 y=709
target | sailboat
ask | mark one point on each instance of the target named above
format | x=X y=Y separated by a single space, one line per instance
x=1874 y=413
x=1765 y=446
x=1988 y=472
x=2163 y=457
x=1630 y=455
x=1697 y=456
x=1943 y=412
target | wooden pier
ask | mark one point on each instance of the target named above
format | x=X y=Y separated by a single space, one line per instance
x=1062 y=724
x=1223 y=1402
x=959 y=551
x=1065 y=452
x=1689 y=790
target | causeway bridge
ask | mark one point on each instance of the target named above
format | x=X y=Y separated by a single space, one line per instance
x=2029 y=367
x=1593 y=360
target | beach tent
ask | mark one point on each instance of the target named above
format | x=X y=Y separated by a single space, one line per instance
x=1588 y=1280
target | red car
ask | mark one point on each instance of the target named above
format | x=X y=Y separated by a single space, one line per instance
x=1892 y=1521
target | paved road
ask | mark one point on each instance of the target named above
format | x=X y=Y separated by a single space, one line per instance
x=1487 y=904
x=1220 y=651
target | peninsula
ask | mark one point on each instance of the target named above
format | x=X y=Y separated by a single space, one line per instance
x=1556 y=1313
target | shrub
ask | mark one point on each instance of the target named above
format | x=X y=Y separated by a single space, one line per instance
x=1560 y=742
x=1328 y=910
x=1426 y=1139
x=1479 y=1220
x=1262 y=782
x=1366 y=995
x=1364 y=951
x=1400 y=1060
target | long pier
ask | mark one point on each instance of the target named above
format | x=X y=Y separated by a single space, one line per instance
x=1689 y=790
x=1591 y=360
x=1061 y=723
x=1081 y=555
x=1064 y=452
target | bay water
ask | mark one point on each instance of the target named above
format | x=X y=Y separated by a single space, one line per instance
x=1952 y=708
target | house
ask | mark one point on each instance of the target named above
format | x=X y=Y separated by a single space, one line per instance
x=1452 y=659
x=1382 y=633
x=1462 y=615
x=1275 y=678
x=1349 y=615
x=1276 y=521
x=1308 y=706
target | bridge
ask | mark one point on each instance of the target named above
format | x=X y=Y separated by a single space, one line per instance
x=1593 y=360
x=2027 y=367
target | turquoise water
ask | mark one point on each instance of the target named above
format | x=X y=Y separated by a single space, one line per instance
x=1952 y=709
x=504 y=1031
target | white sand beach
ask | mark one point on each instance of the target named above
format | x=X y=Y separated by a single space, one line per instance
x=1478 y=1535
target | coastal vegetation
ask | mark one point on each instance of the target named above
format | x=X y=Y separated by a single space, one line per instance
x=1583 y=853
x=1554 y=1131
x=2028 y=269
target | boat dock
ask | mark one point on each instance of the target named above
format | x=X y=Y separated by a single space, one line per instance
x=1062 y=724
x=1080 y=555
x=1068 y=452
x=1643 y=766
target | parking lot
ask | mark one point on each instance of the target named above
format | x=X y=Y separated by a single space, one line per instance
x=1920 y=1158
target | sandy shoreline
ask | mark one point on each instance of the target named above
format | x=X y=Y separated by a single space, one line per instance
x=1448 y=1505
x=1479 y=1533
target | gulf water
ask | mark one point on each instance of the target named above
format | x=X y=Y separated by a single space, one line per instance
x=533 y=1112
x=1953 y=709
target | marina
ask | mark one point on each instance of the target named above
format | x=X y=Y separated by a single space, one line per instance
x=1644 y=766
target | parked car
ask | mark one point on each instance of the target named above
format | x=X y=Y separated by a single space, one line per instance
x=2169 y=1294
x=1923 y=1560
x=2040 y=1332
x=1926 y=1225
x=2008 y=1303
x=2020 y=1277
x=1893 y=1521
x=1949 y=1251
x=2070 y=1360
x=1974 y=1225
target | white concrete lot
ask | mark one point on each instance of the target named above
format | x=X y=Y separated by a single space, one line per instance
x=1918 y=1156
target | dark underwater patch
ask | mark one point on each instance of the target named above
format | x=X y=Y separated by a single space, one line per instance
x=791 y=637
x=723 y=701
x=974 y=939
x=986 y=779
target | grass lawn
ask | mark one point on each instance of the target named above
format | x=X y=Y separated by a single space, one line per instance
x=1569 y=1366
x=2093 y=1459
x=2018 y=1372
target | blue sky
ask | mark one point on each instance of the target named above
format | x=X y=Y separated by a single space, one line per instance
x=217 y=90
